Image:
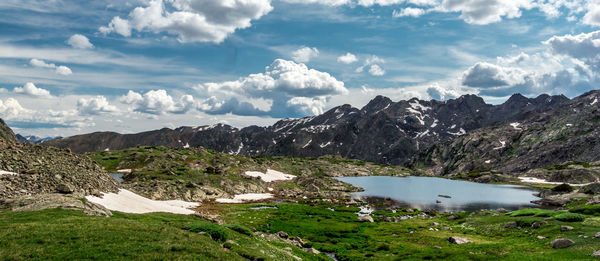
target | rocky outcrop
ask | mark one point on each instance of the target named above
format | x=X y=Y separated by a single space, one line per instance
x=41 y=170
x=48 y=201
x=383 y=131
x=562 y=243
x=564 y=133
x=6 y=134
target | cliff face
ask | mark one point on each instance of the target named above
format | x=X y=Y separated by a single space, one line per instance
x=570 y=132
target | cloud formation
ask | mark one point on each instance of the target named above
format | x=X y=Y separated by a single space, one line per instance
x=80 y=42
x=95 y=106
x=158 y=102
x=293 y=89
x=61 y=69
x=31 y=90
x=191 y=20
x=348 y=58
x=304 y=54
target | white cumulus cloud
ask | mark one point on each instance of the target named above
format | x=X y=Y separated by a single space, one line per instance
x=191 y=20
x=289 y=85
x=409 y=11
x=61 y=69
x=348 y=58
x=31 y=90
x=80 y=42
x=95 y=106
x=376 y=70
x=304 y=54
x=158 y=102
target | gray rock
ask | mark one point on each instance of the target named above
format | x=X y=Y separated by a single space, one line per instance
x=282 y=234
x=512 y=224
x=501 y=210
x=596 y=254
x=313 y=251
x=64 y=188
x=597 y=235
x=453 y=217
x=536 y=225
x=366 y=218
x=566 y=228
x=562 y=243
x=541 y=237
x=458 y=240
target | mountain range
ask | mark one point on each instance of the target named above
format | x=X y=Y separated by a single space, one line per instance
x=383 y=131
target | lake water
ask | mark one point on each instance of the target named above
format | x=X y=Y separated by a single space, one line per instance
x=117 y=176
x=422 y=193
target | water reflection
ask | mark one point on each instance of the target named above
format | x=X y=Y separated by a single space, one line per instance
x=422 y=193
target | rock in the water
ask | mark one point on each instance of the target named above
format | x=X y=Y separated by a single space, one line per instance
x=366 y=218
x=566 y=228
x=458 y=240
x=64 y=188
x=596 y=254
x=562 y=243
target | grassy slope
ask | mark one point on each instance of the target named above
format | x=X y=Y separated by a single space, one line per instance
x=339 y=232
x=66 y=234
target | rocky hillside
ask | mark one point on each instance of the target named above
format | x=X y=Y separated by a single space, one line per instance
x=198 y=174
x=6 y=134
x=27 y=169
x=383 y=131
x=565 y=133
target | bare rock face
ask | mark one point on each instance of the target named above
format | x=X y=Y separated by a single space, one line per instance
x=43 y=170
x=48 y=201
x=458 y=240
x=562 y=243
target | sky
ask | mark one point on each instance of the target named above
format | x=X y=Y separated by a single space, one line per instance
x=69 y=67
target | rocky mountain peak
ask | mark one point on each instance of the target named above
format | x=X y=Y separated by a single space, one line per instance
x=6 y=133
x=377 y=104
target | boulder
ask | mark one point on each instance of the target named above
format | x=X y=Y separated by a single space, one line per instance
x=597 y=235
x=64 y=188
x=366 y=218
x=566 y=228
x=596 y=254
x=536 y=225
x=501 y=210
x=562 y=243
x=512 y=224
x=282 y=234
x=458 y=240
x=453 y=217
x=313 y=251
x=593 y=189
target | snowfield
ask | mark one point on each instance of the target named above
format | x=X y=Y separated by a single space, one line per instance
x=543 y=181
x=270 y=176
x=129 y=202
x=3 y=172
x=244 y=198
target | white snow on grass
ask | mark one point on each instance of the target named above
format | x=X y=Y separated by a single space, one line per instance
x=543 y=181
x=270 y=176
x=515 y=125
x=594 y=101
x=129 y=202
x=325 y=145
x=3 y=172
x=245 y=198
x=186 y=146
x=124 y=170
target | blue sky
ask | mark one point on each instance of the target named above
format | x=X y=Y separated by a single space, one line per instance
x=70 y=67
